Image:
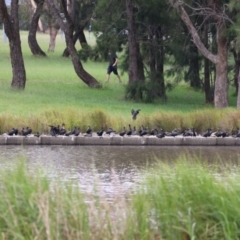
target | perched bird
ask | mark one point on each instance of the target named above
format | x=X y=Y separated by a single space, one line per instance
x=77 y=131
x=54 y=130
x=37 y=134
x=68 y=133
x=135 y=113
x=62 y=130
x=144 y=132
x=110 y=130
x=13 y=132
x=153 y=132
x=123 y=132
x=89 y=130
x=207 y=133
x=74 y=131
x=175 y=132
x=26 y=131
x=134 y=131
x=238 y=133
x=161 y=134
x=129 y=132
x=100 y=132
x=190 y=133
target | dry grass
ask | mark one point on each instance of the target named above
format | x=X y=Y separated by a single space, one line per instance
x=227 y=119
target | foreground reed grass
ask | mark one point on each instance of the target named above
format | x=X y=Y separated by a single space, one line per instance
x=186 y=200
x=228 y=119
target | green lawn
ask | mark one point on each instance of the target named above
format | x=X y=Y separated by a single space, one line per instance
x=52 y=84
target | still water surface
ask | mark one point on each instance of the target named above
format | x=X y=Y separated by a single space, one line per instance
x=83 y=164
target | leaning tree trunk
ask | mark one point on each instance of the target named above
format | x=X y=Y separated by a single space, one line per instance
x=78 y=35
x=220 y=60
x=67 y=26
x=32 y=40
x=12 y=31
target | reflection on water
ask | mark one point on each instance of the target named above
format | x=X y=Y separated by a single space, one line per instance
x=83 y=164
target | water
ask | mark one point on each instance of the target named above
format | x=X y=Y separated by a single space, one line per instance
x=86 y=165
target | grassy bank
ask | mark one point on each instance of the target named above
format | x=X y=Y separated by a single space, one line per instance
x=54 y=94
x=186 y=200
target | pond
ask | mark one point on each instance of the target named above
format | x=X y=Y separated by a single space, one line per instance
x=115 y=168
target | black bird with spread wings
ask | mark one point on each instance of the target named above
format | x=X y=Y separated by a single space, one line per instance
x=135 y=113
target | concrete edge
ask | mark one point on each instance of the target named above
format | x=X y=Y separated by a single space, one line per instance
x=119 y=141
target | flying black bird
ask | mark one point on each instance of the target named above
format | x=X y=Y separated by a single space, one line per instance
x=135 y=113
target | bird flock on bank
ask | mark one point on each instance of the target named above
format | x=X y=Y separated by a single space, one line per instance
x=142 y=131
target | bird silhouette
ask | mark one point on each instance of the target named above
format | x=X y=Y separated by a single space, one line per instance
x=123 y=132
x=77 y=131
x=207 y=133
x=134 y=131
x=37 y=134
x=100 y=132
x=129 y=132
x=89 y=130
x=14 y=131
x=161 y=134
x=135 y=113
x=110 y=130
x=62 y=130
x=26 y=131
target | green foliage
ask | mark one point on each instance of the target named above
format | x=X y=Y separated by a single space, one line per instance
x=188 y=200
x=145 y=91
x=85 y=53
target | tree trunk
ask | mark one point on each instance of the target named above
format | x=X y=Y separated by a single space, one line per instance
x=194 y=67
x=135 y=69
x=221 y=83
x=11 y=25
x=220 y=60
x=207 y=86
x=78 y=35
x=237 y=66
x=32 y=41
x=40 y=25
x=53 y=34
x=67 y=27
x=160 y=65
x=238 y=98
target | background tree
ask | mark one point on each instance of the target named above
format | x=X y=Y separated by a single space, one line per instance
x=32 y=40
x=11 y=26
x=214 y=9
x=81 y=12
x=67 y=26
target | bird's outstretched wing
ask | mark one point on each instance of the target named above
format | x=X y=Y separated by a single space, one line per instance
x=135 y=113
